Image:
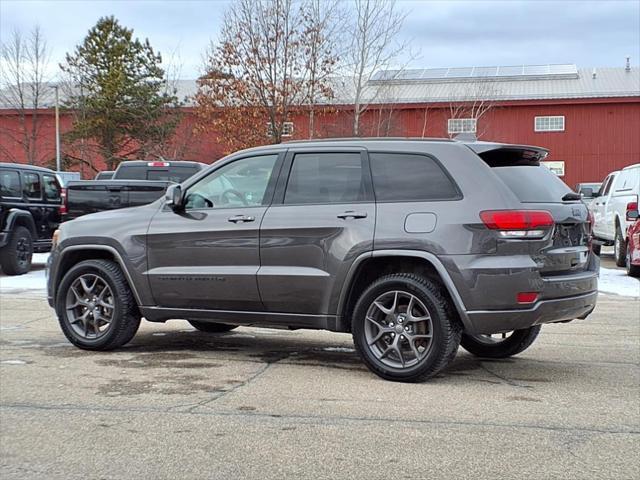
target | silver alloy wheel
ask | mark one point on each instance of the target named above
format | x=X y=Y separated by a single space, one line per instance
x=493 y=338
x=89 y=306
x=398 y=329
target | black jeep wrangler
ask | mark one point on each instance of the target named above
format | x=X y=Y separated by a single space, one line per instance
x=30 y=203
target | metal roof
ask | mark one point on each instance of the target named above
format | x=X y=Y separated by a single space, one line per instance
x=522 y=72
x=476 y=83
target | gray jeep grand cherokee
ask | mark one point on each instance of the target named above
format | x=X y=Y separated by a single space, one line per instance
x=412 y=246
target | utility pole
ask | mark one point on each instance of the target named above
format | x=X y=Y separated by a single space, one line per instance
x=58 y=163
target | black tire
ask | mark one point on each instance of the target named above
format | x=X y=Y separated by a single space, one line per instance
x=126 y=316
x=16 y=255
x=210 y=327
x=620 y=248
x=446 y=329
x=514 y=344
x=632 y=270
x=595 y=248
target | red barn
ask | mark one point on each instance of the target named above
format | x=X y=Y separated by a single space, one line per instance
x=589 y=119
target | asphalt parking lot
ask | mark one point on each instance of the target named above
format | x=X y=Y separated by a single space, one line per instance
x=177 y=403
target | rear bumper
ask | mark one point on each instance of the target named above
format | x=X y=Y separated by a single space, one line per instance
x=545 y=311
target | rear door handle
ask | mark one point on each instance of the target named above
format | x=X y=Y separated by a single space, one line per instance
x=352 y=214
x=241 y=219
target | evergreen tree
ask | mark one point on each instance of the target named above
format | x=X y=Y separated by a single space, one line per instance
x=118 y=92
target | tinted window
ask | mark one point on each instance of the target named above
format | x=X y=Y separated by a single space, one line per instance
x=325 y=178
x=240 y=183
x=535 y=184
x=51 y=188
x=9 y=183
x=173 y=174
x=407 y=177
x=31 y=185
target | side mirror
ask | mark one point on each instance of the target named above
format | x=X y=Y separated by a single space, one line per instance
x=586 y=192
x=633 y=214
x=174 y=198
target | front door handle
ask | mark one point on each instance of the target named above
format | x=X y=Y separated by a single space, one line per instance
x=241 y=219
x=352 y=214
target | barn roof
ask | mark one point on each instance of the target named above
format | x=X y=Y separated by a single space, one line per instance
x=445 y=85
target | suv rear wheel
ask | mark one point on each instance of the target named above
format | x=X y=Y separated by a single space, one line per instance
x=95 y=306
x=500 y=345
x=15 y=256
x=211 y=327
x=404 y=329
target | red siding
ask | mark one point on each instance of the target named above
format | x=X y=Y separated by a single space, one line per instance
x=601 y=135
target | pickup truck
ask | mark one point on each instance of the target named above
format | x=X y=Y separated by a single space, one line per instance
x=613 y=209
x=133 y=183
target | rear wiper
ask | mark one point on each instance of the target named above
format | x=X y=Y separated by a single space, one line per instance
x=571 y=196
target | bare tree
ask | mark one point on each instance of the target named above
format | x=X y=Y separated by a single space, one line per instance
x=373 y=47
x=25 y=89
x=472 y=101
x=258 y=75
x=323 y=22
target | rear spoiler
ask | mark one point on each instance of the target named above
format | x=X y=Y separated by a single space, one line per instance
x=506 y=154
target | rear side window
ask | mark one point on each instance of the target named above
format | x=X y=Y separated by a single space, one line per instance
x=326 y=178
x=51 y=188
x=409 y=177
x=10 y=184
x=31 y=185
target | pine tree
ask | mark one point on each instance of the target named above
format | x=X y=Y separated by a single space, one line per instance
x=118 y=93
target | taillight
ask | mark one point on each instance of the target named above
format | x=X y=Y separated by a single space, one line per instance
x=518 y=223
x=631 y=207
x=63 y=203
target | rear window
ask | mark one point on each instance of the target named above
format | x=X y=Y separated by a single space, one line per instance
x=533 y=184
x=169 y=174
x=409 y=177
x=51 y=188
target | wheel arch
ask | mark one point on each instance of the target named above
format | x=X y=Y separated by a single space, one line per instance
x=21 y=218
x=75 y=254
x=375 y=264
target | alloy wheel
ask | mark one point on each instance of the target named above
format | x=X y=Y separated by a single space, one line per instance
x=90 y=306
x=398 y=329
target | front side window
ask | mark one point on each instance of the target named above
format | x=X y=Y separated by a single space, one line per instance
x=31 y=185
x=51 y=188
x=10 y=184
x=318 y=178
x=237 y=184
x=549 y=124
x=409 y=177
x=461 y=125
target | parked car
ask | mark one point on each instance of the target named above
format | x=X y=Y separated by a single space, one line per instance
x=133 y=183
x=93 y=196
x=633 y=246
x=588 y=190
x=615 y=200
x=30 y=202
x=105 y=175
x=412 y=246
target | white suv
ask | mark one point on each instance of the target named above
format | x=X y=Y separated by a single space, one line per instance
x=617 y=197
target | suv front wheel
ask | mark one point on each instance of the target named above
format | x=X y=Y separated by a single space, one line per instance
x=404 y=328
x=95 y=306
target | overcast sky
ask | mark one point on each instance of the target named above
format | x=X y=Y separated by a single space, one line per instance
x=444 y=33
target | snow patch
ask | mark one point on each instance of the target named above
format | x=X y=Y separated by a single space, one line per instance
x=618 y=282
